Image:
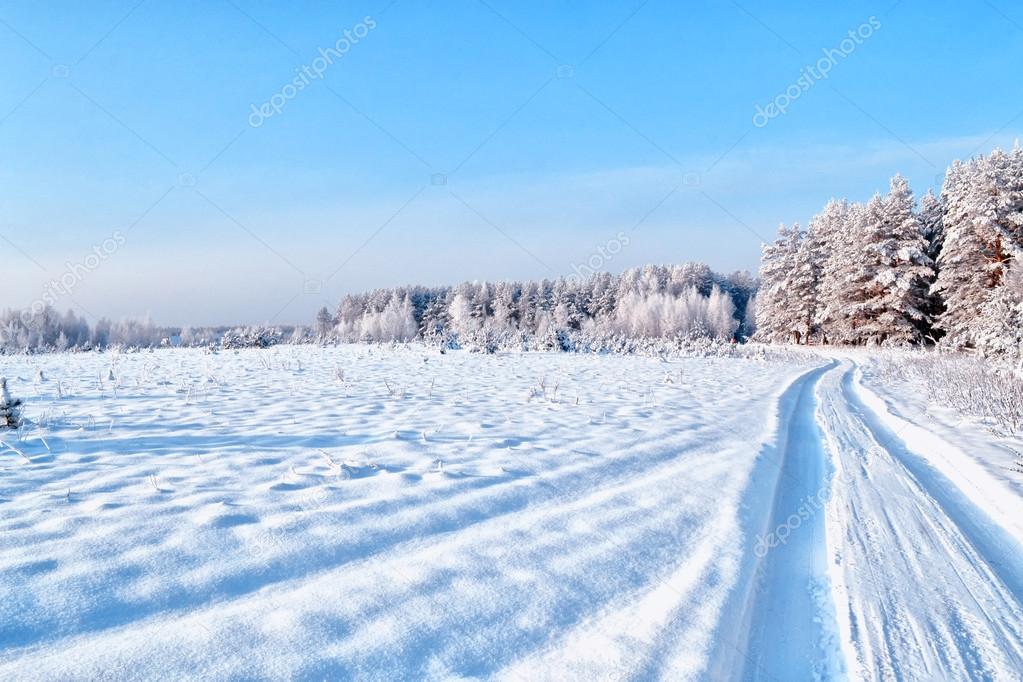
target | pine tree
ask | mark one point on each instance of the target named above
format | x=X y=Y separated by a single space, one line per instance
x=983 y=201
x=857 y=296
x=998 y=330
x=803 y=284
x=774 y=319
x=932 y=215
x=832 y=230
x=886 y=293
x=10 y=408
x=905 y=271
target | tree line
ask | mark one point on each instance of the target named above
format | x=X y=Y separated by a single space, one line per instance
x=603 y=311
x=888 y=271
x=45 y=330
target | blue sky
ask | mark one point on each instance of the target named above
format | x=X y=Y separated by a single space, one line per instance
x=456 y=140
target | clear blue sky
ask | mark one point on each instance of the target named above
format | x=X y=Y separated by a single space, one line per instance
x=552 y=126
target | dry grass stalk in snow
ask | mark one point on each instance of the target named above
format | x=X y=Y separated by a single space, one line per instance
x=971 y=385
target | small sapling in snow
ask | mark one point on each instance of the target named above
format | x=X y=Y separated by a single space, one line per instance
x=10 y=408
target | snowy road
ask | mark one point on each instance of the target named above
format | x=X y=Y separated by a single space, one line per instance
x=790 y=619
x=384 y=514
x=926 y=585
x=904 y=574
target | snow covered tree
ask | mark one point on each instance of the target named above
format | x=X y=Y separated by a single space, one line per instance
x=983 y=232
x=998 y=330
x=897 y=298
x=803 y=285
x=876 y=272
x=10 y=408
x=324 y=323
x=504 y=309
x=721 y=315
x=749 y=320
x=602 y=295
x=775 y=320
x=462 y=313
x=832 y=229
x=396 y=321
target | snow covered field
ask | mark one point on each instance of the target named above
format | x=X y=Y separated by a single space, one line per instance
x=374 y=513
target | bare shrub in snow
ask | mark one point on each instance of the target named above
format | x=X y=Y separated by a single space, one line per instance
x=971 y=385
x=251 y=337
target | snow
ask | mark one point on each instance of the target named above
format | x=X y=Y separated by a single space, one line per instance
x=396 y=513
x=979 y=466
x=926 y=584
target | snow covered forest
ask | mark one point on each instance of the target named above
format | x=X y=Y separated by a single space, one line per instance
x=604 y=312
x=45 y=330
x=886 y=272
x=894 y=273
x=601 y=312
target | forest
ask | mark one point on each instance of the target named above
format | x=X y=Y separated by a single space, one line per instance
x=600 y=312
x=891 y=271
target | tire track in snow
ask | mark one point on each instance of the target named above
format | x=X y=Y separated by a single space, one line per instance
x=925 y=585
x=739 y=650
x=791 y=622
x=1000 y=550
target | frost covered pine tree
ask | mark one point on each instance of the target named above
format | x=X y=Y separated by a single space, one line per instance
x=898 y=307
x=803 y=285
x=787 y=300
x=850 y=284
x=10 y=408
x=998 y=330
x=932 y=223
x=983 y=230
x=960 y=282
x=774 y=319
x=876 y=286
x=832 y=229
